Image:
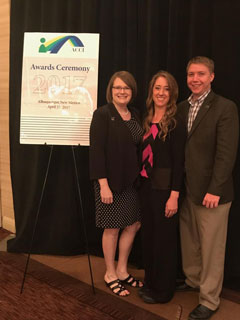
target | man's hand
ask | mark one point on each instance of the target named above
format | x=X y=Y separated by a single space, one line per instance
x=210 y=201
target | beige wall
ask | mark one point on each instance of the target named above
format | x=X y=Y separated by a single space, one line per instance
x=6 y=203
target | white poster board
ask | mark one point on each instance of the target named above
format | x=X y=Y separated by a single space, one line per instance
x=59 y=87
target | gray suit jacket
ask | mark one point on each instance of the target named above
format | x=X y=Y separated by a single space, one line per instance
x=211 y=148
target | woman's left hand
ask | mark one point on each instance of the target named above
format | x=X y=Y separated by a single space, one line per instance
x=172 y=204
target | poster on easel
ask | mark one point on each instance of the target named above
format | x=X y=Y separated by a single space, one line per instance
x=59 y=87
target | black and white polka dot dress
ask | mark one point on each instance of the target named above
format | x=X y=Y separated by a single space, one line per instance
x=125 y=209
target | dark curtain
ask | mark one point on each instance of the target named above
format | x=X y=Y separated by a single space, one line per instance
x=141 y=36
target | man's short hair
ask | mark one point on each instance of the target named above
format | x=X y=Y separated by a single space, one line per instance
x=209 y=63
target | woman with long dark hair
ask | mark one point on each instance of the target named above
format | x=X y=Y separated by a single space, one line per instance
x=162 y=174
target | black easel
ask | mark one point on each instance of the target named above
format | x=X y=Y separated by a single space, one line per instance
x=37 y=216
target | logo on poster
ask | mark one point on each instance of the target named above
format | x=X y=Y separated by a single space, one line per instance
x=54 y=45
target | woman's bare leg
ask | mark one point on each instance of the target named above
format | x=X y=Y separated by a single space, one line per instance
x=109 y=245
x=125 y=246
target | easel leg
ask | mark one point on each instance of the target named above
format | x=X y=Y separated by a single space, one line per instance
x=36 y=220
x=83 y=221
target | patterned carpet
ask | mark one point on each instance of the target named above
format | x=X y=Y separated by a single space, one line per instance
x=50 y=294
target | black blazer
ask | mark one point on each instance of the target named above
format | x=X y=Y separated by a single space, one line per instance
x=168 y=159
x=113 y=154
x=211 y=148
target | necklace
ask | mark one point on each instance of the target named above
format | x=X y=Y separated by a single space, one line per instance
x=125 y=113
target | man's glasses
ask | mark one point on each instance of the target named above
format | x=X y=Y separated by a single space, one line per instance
x=118 y=88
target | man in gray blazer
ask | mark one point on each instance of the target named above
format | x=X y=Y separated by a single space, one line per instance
x=212 y=123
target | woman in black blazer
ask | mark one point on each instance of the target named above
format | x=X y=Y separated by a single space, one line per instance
x=115 y=135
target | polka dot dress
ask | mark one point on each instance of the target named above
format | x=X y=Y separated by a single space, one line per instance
x=125 y=209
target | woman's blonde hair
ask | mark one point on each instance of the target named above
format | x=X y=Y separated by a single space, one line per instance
x=168 y=121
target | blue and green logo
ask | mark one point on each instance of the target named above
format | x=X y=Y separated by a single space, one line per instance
x=54 y=45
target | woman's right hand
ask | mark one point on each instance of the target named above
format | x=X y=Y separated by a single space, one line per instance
x=105 y=191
